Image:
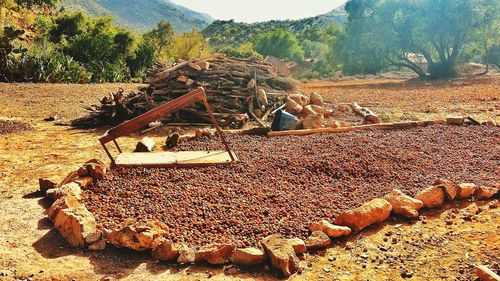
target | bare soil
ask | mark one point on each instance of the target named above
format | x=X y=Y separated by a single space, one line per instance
x=430 y=248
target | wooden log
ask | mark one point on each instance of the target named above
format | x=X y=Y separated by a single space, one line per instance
x=381 y=126
x=367 y=113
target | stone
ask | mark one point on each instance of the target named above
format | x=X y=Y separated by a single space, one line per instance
x=248 y=257
x=485 y=192
x=450 y=190
x=377 y=210
x=262 y=97
x=317 y=240
x=334 y=124
x=321 y=110
x=84 y=182
x=333 y=231
x=403 y=204
x=281 y=253
x=299 y=98
x=140 y=237
x=98 y=245
x=433 y=196
x=216 y=254
x=455 y=120
x=71 y=188
x=313 y=121
x=299 y=246
x=74 y=224
x=82 y=172
x=46 y=184
x=145 y=145
x=467 y=190
x=60 y=204
x=489 y=123
x=316 y=99
x=486 y=274
x=186 y=254
x=166 y=251
x=293 y=107
x=343 y=108
x=307 y=110
x=96 y=169
x=93 y=237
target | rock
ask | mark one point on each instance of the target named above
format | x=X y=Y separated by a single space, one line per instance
x=346 y=124
x=317 y=240
x=248 y=257
x=403 y=204
x=166 y=251
x=299 y=98
x=489 y=123
x=329 y=229
x=98 y=245
x=93 y=237
x=307 y=110
x=321 y=110
x=60 y=204
x=377 y=210
x=281 y=253
x=216 y=254
x=334 y=124
x=172 y=141
x=484 y=192
x=467 y=190
x=432 y=196
x=262 y=97
x=450 y=190
x=96 y=169
x=293 y=107
x=186 y=254
x=343 y=108
x=145 y=145
x=84 y=182
x=317 y=99
x=494 y=204
x=82 y=171
x=71 y=188
x=456 y=120
x=485 y=274
x=74 y=224
x=139 y=237
x=313 y=121
x=299 y=246
x=46 y=184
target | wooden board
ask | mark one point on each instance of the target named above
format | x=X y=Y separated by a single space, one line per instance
x=173 y=159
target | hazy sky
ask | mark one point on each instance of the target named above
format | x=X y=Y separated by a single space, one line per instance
x=261 y=10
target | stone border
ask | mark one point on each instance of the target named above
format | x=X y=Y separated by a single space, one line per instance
x=78 y=225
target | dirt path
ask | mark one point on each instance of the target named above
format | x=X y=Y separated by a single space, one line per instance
x=29 y=248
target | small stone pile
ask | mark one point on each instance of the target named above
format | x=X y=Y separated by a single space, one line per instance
x=10 y=126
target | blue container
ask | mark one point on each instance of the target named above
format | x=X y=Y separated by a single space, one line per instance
x=284 y=121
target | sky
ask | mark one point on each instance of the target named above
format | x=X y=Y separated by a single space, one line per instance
x=260 y=10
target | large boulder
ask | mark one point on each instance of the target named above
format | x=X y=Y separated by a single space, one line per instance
x=186 y=254
x=485 y=192
x=248 y=257
x=281 y=253
x=165 y=250
x=403 y=204
x=329 y=229
x=69 y=189
x=321 y=110
x=215 y=254
x=313 y=121
x=74 y=224
x=317 y=99
x=377 y=210
x=433 y=196
x=62 y=203
x=317 y=240
x=95 y=168
x=467 y=190
x=299 y=98
x=138 y=237
x=450 y=190
x=307 y=110
x=293 y=107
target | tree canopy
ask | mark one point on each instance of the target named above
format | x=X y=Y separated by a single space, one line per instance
x=279 y=43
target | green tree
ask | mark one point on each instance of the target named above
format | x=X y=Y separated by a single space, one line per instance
x=279 y=43
x=187 y=46
x=161 y=38
x=244 y=51
x=37 y=3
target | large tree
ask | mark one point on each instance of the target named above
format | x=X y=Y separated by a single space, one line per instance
x=394 y=32
x=279 y=43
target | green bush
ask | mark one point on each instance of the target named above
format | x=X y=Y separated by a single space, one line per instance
x=279 y=43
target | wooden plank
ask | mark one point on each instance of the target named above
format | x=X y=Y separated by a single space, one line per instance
x=173 y=159
x=381 y=126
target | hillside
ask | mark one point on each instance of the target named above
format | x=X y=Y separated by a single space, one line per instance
x=142 y=15
x=230 y=33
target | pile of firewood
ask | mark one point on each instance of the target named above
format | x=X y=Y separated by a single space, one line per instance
x=237 y=90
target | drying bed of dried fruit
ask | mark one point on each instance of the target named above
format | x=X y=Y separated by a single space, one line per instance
x=282 y=185
x=10 y=126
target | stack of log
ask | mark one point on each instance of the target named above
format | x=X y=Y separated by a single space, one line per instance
x=238 y=90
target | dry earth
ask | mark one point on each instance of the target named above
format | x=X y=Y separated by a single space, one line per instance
x=429 y=249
